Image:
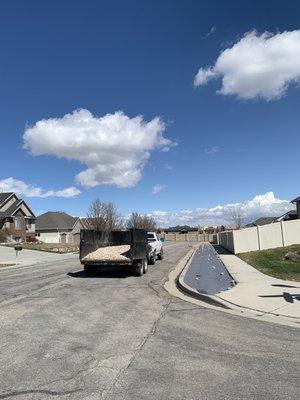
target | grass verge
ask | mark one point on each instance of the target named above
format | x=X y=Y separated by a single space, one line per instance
x=49 y=247
x=271 y=262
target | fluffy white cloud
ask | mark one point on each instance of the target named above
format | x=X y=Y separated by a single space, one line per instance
x=22 y=188
x=158 y=188
x=257 y=66
x=113 y=147
x=261 y=205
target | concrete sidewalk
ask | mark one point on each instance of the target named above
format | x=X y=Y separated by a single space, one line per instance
x=260 y=292
x=30 y=257
x=255 y=293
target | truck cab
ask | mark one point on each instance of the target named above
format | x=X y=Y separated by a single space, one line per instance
x=156 y=251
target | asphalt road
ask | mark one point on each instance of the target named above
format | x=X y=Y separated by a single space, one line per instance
x=117 y=337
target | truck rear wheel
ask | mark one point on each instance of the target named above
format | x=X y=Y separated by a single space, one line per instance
x=152 y=259
x=160 y=255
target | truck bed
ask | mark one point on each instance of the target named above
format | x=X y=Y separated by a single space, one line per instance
x=114 y=254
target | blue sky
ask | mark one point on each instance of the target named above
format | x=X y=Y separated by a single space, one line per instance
x=141 y=58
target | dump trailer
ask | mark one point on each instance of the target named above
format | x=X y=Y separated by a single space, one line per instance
x=116 y=248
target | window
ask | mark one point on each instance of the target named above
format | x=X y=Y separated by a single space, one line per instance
x=18 y=222
x=151 y=237
x=29 y=224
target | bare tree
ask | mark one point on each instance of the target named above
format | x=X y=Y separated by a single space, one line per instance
x=104 y=216
x=114 y=220
x=139 y=221
x=236 y=216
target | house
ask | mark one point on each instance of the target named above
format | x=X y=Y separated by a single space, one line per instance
x=87 y=223
x=296 y=201
x=292 y=214
x=181 y=229
x=16 y=218
x=58 y=227
x=262 y=221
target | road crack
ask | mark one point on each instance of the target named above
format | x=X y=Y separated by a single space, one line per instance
x=139 y=348
x=37 y=391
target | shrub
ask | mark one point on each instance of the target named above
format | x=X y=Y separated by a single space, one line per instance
x=3 y=237
x=31 y=239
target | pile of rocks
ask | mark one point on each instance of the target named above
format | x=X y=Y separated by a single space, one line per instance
x=292 y=256
x=110 y=253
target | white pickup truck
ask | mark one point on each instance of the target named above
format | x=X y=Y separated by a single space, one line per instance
x=156 y=248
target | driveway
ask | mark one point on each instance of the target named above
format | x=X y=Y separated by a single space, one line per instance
x=117 y=336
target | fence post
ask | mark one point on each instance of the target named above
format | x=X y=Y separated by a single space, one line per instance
x=258 y=238
x=282 y=233
x=228 y=242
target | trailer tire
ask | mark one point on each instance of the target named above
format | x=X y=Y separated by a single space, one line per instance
x=145 y=265
x=139 y=268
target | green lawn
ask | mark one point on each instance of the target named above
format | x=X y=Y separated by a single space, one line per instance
x=271 y=262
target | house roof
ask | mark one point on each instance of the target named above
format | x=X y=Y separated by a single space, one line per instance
x=5 y=196
x=295 y=200
x=179 y=228
x=55 y=220
x=14 y=207
x=264 y=221
x=86 y=222
x=292 y=214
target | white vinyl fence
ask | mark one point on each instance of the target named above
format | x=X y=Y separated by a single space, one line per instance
x=269 y=236
x=189 y=237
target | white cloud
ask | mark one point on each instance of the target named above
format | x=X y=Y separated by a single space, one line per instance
x=168 y=167
x=210 y=32
x=212 y=150
x=261 y=205
x=158 y=188
x=22 y=188
x=113 y=147
x=259 y=65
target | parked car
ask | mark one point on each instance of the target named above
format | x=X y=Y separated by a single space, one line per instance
x=156 y=250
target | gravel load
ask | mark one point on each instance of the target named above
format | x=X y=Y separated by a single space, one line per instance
x=110 y=253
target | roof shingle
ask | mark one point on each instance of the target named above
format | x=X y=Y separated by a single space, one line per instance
x=55 y=220
x=4 y=197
